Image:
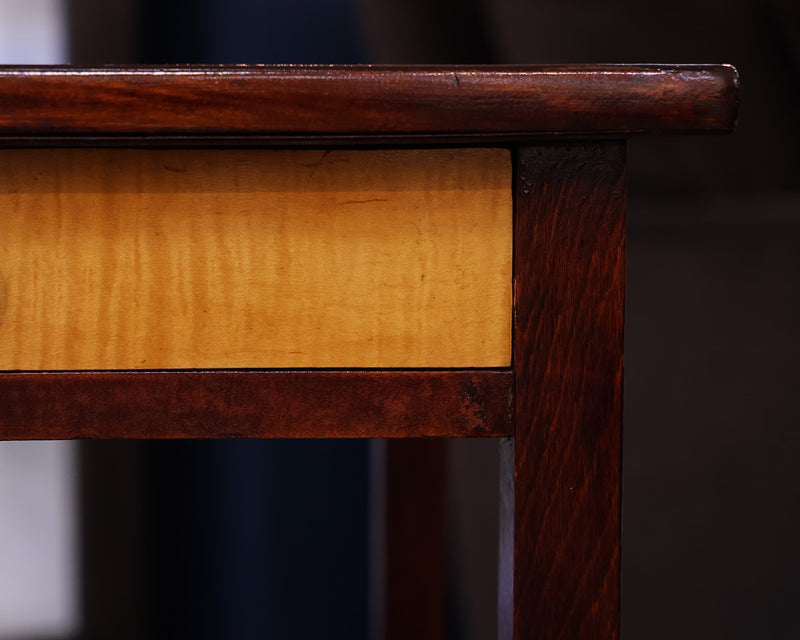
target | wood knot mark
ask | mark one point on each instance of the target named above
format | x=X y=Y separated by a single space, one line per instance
x=175 y=169
x=475 y=407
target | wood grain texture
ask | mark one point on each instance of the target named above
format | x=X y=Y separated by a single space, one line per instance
x=569 y=285
x=255 y=404
x=159 y=259
x=297 y=104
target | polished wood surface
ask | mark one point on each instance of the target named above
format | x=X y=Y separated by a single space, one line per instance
x=569 y=288
x=176 y=259
x=557 y=402
x=255 y=404
x=367 y=105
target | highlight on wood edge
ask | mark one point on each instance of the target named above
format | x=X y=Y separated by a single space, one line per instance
x=366 y=102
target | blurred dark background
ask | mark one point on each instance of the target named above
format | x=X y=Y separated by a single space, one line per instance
x=271 y=539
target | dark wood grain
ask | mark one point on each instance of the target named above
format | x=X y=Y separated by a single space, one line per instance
x=369 y=105
x=255 y=404
x=569 y=285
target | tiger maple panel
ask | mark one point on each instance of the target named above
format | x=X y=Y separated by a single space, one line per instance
x=149 y=259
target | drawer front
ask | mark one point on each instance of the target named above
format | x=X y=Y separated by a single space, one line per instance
x=164 y=259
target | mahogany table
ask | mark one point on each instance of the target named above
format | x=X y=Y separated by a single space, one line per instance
x=328 y=252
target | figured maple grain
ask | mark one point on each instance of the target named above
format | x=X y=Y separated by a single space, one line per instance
x=569 y=287
x=172 y=259
x=369 y=105
x=255 y=404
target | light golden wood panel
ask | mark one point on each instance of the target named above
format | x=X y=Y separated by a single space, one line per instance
x=141 y=259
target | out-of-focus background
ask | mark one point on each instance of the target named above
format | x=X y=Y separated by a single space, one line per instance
x=241 y=540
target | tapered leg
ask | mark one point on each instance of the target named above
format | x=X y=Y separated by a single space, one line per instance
x=415 y=556
x=569 y=287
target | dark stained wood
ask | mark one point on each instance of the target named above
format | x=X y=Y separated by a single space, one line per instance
x=565 y=390
x=370 y=105
x=569 y=285
x=255 y=404
x=416 y=571
x=113 y=542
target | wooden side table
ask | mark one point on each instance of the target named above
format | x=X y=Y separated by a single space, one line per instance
x=334 y=252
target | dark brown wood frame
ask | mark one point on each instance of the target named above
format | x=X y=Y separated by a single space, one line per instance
x=560 y=402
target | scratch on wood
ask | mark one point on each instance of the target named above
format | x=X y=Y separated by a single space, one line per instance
x=363 y=201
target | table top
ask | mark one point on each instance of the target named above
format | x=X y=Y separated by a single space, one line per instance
x=369 y=105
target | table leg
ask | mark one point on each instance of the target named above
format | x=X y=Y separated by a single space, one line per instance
x=415 y=556
x=569 y=285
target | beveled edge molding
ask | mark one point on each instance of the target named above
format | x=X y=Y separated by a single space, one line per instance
x=256 y=404
x=351 y=105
